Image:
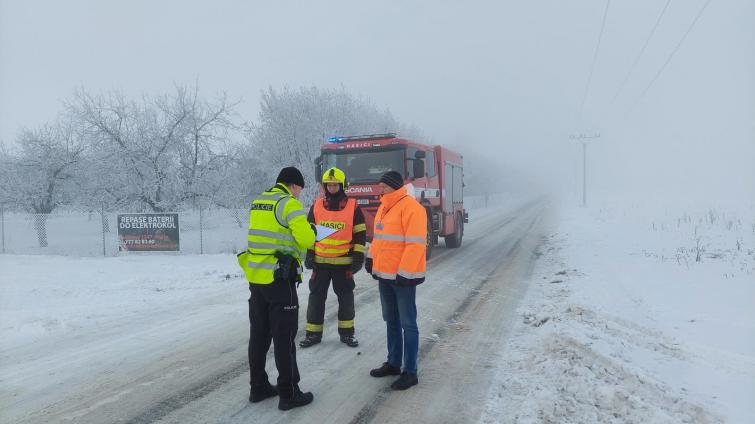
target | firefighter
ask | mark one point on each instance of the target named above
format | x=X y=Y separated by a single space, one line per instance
x=278 y=236
x=397 y=260
x=336 y=258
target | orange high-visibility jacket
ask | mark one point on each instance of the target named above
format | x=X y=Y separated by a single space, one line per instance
x=399 y=239
x=336 y=248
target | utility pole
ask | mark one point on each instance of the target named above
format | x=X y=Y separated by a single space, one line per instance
x=583 y=139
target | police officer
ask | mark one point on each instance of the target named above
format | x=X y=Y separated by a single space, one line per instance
x=336 y=258
x=278 y=236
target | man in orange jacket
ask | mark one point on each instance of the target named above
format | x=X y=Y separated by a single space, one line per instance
x=396 y=259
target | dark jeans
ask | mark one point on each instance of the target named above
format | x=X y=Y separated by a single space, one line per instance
x=273 y=316
x=318 y=293
x=400 y=316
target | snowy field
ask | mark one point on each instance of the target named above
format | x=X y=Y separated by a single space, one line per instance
x=635 y=315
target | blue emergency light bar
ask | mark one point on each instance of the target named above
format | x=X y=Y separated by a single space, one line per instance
x=361 y=137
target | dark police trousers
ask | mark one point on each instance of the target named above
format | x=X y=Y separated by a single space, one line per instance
x=273 y=316
x=343 y=285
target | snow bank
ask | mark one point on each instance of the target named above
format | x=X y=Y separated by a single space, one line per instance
x=635 y=315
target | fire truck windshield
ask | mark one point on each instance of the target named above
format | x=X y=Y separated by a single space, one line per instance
x=364 y=167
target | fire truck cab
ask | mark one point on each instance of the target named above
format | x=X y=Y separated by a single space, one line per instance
x=435 y=174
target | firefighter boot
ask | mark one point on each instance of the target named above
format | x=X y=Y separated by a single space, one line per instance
x=297 y=399
x=262 y=393
x=385 y=370
x=310 y=339
x=350 y=341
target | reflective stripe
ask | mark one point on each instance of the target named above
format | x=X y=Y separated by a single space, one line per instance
x=333 y=251
x=392 y=237
x=271 y=234
x=384 y=275
x=359 y=228
x=359 y=248
x=279 y=211
x=314 y=328
x=388 y=237
x=411 y=275
x=294 y=214
x=346 y=324
x=333 y=242
x=341 y=260
x=262 y=265
x=270 y=246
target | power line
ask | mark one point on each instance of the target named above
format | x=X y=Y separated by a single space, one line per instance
x=594 y=59
x=639 y=55
x=684 y=37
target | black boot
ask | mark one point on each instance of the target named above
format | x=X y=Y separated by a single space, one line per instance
x=298 y=399
x=262 y=393
x=350 y=341
x=385 y=370
x=311 y=339
x=404 y=382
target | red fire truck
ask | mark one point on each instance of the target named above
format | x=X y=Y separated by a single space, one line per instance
x=435 y=174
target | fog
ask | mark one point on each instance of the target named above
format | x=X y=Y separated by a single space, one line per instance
x=505 y=82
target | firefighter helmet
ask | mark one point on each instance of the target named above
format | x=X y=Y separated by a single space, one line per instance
x=334 y=175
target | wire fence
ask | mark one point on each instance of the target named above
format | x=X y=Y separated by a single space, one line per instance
x=95 y=233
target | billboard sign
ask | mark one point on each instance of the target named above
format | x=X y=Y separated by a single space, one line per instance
x=148 y=232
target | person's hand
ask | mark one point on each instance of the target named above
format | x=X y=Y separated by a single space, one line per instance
x=368 y=265
x=309 y=260
x=358 y=260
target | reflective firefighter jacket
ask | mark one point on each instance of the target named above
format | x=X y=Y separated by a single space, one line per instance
x=277 y=224
x=338 y=249
x=399 y=239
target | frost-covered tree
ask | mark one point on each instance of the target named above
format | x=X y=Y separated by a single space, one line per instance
x=206 y=152
x=133 y=143
x=8 y=177
x=41 y=175
x=157 y=153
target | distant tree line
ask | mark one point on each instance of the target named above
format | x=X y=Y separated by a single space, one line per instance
x=176 y=151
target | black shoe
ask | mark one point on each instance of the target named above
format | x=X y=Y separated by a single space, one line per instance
x=310 y=339
x=350 y=341
x=298 y=399
x=257 y=395
x=404 y=382
x=385 y=370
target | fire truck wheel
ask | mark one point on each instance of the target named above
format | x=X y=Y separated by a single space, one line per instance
x=454 y=240
x=430 y=237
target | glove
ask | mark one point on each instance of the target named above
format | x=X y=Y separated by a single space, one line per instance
x=309 y=260
x=368 y=265
x=358 y=260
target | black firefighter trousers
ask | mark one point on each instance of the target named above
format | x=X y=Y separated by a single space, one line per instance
x=273 y=316
x=343 y=285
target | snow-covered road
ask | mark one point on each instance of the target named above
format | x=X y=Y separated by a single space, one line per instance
x=171 y=347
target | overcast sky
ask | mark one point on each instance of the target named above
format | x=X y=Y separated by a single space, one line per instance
x=501 y=78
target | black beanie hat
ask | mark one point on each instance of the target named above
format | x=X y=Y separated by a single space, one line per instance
x=393 y=179
x=290 y=175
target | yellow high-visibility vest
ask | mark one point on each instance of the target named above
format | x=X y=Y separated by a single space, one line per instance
x=277 y=223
